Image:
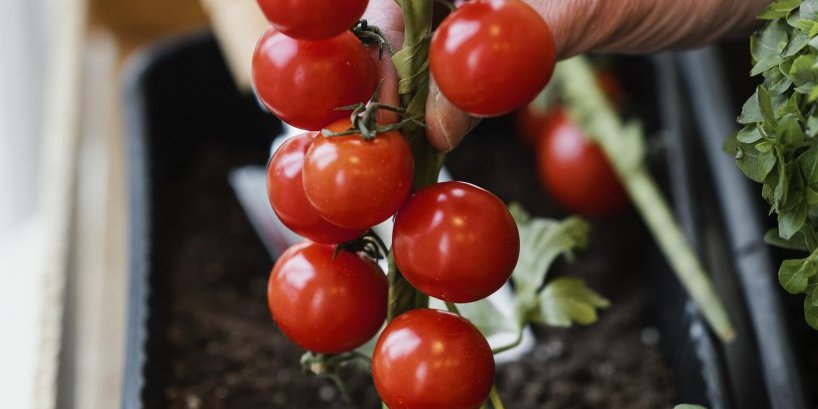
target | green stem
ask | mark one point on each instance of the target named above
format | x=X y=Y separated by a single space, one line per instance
x=495 y=399
x=624 y=146
x=513 y=344
x=412 y=64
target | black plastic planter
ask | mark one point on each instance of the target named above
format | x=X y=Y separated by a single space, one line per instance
x=179 y=98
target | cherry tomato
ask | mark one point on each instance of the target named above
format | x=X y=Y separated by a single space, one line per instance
x=429 y=359
x=576 y=172
x=313 y=19
x=532 y=118
x=325 y=304
x=303 y=82
x=358 y=183
x=490 y=57
x=456 y=242
x=285 y=189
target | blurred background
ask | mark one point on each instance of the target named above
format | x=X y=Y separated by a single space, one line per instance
x=63 y=235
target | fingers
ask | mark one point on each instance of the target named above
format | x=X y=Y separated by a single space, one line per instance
x=386 y=15
x=446 y=125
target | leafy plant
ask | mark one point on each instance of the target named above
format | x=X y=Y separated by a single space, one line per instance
x=777 y=145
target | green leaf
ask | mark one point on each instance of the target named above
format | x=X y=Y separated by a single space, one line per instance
x=765 y=104
x=770 y=42
x=789 y=130
x=808 y=10
x=811 y=306
x=779 y=9
x=749 y=134
x=751 y=111
x=792 y=217
x=487 y=318
x=808 y=163
x=776 y=81
x=566 y=301
x=796 y=44
x=541 y=242
x=796 y=242
x=794 y=274
x=756 y=165
x=804 y=72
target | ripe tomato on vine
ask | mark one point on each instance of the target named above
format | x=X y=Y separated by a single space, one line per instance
x=313 y=19
x=305 y=82
x=326 y=302
x=356 y=182
x=433 y=360
x=490 y=57
x=456 y=242
x=285 y=190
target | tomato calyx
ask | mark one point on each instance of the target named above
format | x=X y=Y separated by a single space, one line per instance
x=372 y=35
x=370 y=244
x=364 y=118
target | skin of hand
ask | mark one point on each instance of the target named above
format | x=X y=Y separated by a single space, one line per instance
x=580 y=26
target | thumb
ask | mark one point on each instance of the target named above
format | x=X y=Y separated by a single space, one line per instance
x=446 y=125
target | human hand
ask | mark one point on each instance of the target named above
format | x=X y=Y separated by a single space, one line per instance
x=579 y=26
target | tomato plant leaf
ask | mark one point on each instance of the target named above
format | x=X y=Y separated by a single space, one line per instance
x=541 y=242
x=566 y=301
x=779 y=9
x=794 y=275
x=754 y=163
x=796 y=242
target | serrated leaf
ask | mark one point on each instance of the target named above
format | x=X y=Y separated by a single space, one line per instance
x=794 y=274
x=566 y=301
x=756 y=165
x=796 y=242
x=541 y=242
x=779 y=9
x=749 y=134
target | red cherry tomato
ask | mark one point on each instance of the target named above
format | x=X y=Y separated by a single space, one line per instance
x=325 y=304
x=285 y=189
x=357 y=183
x=303 y=82
x=490 y=57
x=532 y=118
x=429 y=359
x=576 y=172
x=313 y=19
x=456 y=242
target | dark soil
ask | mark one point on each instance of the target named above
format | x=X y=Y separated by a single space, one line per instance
x=225 y=352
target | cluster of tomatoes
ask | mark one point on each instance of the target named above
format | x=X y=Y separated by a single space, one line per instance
x=452 y=241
